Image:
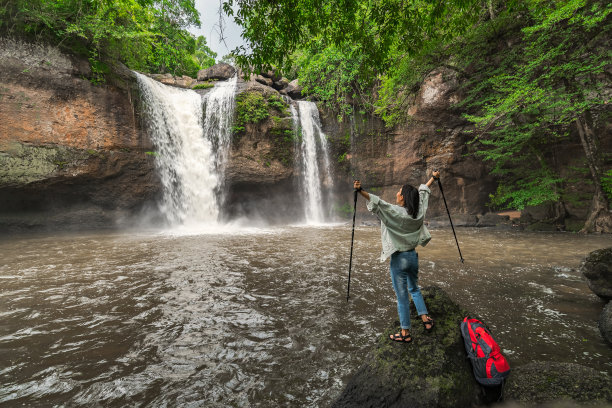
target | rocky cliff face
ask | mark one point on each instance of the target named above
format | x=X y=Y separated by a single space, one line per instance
x=71 y=153
x=437 y=137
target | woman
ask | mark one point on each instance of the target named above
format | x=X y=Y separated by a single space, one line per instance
x=402 y=230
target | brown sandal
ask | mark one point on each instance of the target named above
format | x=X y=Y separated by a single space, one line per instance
x=401 y=338
x=429 y=322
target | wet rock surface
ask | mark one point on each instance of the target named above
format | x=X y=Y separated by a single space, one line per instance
x=547 y=382
x=597 y=269
x=431 y=371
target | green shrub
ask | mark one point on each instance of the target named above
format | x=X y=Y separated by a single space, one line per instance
x=205 y=85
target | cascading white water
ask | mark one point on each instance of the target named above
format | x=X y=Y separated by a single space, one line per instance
x=312 y=148
x=218 y=115
x=191 y=149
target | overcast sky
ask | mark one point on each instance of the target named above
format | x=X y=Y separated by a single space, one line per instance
x=209 y=17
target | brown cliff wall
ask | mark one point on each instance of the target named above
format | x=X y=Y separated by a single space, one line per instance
x=71 y=152
x=435 y=138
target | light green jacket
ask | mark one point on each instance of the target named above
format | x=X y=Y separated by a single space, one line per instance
x=399 y=231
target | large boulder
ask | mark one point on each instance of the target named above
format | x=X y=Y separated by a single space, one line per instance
x=431 y=371
x=546 y=382
x=597 y=269
x=294 y=90
x=605 y=323
x=492 y=220
x=459 y=220
x=220 y=71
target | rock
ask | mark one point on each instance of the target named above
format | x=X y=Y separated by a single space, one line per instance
x=492 y=220
x=263 y=80
x=605 y=322
x=432 y=371
x=280 y=84
x=67 y=144
x=542 y=226
x=220 y=71
x=597 y=269
x=271 y=74
x=545 y=382
x=573 y=224
x=294 y=90
x=459 y=220
x=437 y=94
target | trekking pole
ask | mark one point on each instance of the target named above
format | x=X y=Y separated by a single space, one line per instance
x=348 y=289
x=449 y=217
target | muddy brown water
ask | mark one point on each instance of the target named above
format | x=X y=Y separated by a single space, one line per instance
x=258 y=317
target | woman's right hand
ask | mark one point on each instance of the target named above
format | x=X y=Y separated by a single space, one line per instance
x=356 y=184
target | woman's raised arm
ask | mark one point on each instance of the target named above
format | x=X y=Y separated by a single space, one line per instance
x=435 y=175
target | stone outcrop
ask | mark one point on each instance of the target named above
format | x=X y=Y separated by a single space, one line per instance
x=66 y=143
x=180 y=82
x=261 y=177
x=293 y=90
x=220 y=71
x=431 y=371
x=549 y=382
x=597 y=269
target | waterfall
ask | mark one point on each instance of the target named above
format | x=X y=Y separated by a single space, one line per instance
x=315 y=174
x=191 y=148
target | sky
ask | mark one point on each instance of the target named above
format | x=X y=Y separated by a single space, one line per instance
x=209 y=17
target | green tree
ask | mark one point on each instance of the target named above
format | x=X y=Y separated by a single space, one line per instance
x=204 y=55
x=555 y=86
x=146 y=35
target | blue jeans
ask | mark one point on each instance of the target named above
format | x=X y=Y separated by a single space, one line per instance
x=404 y=268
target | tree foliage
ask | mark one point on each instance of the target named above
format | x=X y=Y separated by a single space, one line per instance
x=533 y=101
x=147 y=35
x=532 y=70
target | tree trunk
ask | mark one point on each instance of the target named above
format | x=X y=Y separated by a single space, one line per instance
x=491 y=9
x=600 y=217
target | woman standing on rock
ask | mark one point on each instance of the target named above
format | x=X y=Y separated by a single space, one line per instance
x=402 y=230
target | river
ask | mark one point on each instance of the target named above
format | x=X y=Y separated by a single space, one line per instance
x=258 y=316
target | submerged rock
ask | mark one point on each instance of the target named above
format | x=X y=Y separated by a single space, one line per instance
x=597 y=269
x=545 y=382
x=431 y=371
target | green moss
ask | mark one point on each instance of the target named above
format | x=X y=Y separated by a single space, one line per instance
x=205 y=85
x=255 y=107
x=22 y=163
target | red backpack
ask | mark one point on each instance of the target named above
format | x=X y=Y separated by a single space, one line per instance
x=489 y=365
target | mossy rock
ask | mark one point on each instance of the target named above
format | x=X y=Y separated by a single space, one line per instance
x=542 y=226
x=573 y=224
x=22 y=163
x=546 y=382
x=431 y=371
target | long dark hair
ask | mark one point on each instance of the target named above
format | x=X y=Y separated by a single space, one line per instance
x=411 y=199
